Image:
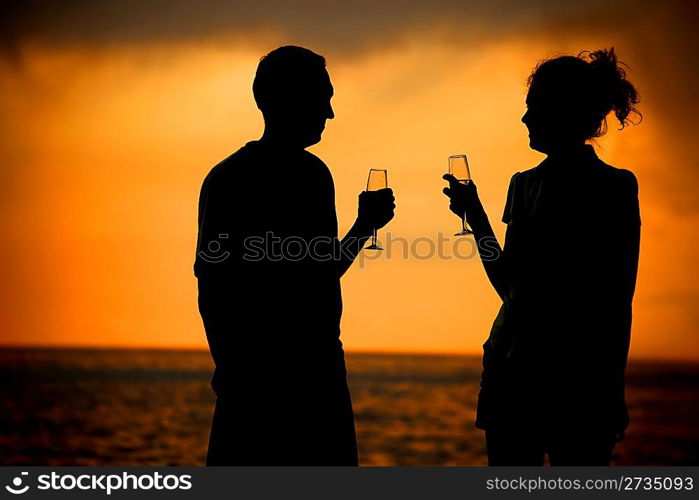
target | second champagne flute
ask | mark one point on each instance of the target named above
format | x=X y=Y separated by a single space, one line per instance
x=378 y=179
x=458 y=167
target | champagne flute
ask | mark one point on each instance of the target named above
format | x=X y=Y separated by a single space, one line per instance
x=458 y=167
x=378 y=179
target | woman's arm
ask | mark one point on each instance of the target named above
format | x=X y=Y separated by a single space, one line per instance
x=464 y=200
x=629 y=234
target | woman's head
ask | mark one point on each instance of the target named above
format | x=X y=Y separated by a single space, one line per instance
x=569 y=98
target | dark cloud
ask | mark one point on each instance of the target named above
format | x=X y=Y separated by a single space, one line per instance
x=659 y=38
x=340 y=24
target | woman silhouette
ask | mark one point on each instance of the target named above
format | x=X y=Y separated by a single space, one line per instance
x=553 y=365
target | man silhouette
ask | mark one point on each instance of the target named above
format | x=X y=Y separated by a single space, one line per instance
x=268 y=266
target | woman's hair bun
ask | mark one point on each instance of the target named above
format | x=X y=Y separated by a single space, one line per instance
x=613 y=91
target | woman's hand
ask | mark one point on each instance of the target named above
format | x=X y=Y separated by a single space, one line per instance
x=464 y=198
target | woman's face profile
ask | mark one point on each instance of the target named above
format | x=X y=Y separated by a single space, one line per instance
x=549 y=120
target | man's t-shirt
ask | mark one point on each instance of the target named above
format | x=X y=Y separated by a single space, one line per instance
x=269 y=289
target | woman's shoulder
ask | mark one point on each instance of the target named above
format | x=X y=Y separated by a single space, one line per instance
x=618 y=178
x=524 y=178
x=618 y=188
x=531 y=173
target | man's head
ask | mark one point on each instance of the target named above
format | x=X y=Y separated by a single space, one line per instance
x=292 y=89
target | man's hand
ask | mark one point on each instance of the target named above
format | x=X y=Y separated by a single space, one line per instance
x=376 y=208
x=463 y=197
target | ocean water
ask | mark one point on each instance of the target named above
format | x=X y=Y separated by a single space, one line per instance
x=148 y=407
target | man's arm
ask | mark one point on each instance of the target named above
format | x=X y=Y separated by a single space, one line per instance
x=215 y=262
x=376 y=209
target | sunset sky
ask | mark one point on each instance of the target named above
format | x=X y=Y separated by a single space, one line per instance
x=112 y=113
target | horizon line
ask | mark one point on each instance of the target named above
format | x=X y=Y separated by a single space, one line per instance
x=196 y=348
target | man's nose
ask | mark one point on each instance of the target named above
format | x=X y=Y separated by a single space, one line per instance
x=331 y=112
x=525 y=117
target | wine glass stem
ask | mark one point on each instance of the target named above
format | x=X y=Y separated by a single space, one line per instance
x=373 y=238
x=463 y=222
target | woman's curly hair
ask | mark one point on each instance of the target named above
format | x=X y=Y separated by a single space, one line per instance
x=598 y=82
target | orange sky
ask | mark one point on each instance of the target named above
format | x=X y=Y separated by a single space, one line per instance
x=105 y=146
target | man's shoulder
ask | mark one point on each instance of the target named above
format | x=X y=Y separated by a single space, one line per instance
x=229 y=170
x=316 y=168
x=310 y=157
x=313 y=160
x=225 y=167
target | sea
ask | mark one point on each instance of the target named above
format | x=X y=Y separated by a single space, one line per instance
x=125 y=407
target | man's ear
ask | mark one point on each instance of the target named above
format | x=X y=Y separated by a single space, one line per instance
x=274 y=106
